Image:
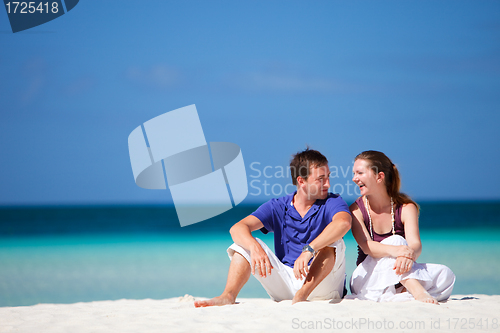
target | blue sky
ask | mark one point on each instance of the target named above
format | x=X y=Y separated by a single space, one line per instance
x=418 y=80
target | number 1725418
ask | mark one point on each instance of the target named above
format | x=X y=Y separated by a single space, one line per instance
x=31 y=7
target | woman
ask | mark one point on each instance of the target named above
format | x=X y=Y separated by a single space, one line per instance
x=385 y=226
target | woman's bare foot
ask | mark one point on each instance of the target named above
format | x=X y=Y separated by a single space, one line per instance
x=426 y=298
x=216 y=301
x=418 y=292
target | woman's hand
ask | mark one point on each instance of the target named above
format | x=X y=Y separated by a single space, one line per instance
x=403 y=265
x=405 y=251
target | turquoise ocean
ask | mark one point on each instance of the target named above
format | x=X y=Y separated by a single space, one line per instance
x=62 y=254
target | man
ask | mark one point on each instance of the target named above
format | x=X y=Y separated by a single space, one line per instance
x=308 y=225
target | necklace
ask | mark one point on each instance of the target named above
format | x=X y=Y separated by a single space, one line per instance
x=367 y=204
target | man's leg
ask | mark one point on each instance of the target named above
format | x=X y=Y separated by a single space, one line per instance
x=238 y=275
x=321 y=266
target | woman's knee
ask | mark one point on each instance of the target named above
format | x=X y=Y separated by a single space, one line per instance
x=447 y=274
x=394 y=240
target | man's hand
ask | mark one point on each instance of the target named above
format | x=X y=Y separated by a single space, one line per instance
x=301 y=265
x=403 y=265
x=260 y=261
x=241 y=233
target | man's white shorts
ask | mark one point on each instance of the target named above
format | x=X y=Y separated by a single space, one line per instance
x=282 y=284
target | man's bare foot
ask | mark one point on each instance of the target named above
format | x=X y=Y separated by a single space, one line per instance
x=426 y=298
x=216 y=301
x=299 y=297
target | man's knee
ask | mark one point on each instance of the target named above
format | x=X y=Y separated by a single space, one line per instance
x=239 y=257
x=327 y=252
x=240 y=263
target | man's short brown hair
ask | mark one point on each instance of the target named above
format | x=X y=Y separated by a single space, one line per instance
x=302 y=162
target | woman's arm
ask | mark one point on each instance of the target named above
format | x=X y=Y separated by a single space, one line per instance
x=370 y=247
x=409 y=217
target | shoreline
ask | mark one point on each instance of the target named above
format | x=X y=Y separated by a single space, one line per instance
x=475 y=312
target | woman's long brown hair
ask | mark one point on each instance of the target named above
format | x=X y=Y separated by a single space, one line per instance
x=379 y=162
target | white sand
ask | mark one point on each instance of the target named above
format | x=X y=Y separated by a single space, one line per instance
x=463 y=313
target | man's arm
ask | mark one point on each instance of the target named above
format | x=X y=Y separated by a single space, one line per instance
x=340 y=225
x=241 y=233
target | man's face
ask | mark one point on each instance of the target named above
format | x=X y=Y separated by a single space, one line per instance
x=318 y=182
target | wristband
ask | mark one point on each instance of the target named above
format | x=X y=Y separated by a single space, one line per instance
x=308 y=248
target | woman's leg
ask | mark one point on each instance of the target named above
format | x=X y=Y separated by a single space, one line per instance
x=413 y=286
x=418 y=291
x=442 y=282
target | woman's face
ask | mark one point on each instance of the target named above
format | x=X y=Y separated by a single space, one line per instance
x=363 y=176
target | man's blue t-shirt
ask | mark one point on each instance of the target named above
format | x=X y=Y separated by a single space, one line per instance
x=291 y=231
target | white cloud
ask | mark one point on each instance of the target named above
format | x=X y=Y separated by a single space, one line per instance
x=290 y=83
x=35 y=71
x=159 y=76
